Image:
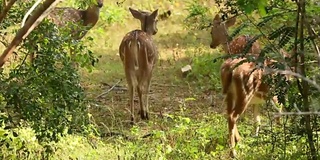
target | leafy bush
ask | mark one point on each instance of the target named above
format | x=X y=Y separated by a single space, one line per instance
x=206 y=68
x=46 y=93
x=199 y=17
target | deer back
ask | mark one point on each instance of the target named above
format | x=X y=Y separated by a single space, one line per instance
x=243 y=79
x=138 y=52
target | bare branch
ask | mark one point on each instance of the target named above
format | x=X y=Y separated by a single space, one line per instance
x=295 y=113
x=29 y=12
x=109 y=89
x=312 y=33
x=290 y=73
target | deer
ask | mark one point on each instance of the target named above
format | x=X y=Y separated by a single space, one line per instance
x=219 y=36
x=139 y=55
x=86 y=19
x=242 y=85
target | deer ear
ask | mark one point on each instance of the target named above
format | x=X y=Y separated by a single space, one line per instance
x=136 y=14
x=216 y=19
x=154 y=14
x=231 y=21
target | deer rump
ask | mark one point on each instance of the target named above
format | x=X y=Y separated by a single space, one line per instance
x=243 y=82
x=138 y=55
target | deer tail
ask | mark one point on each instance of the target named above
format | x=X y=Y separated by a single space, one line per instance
x=134 y=48
x=226 y=78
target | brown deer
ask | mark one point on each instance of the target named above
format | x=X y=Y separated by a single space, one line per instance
x=219 y=35
x=243 y=86
x=139 y=54
x=85 y=19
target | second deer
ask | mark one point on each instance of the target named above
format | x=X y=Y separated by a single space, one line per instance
x=139 y=55
x=219 y=35
x=241 y=84
x=83 y=20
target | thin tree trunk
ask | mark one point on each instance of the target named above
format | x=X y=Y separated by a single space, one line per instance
x=305 y=86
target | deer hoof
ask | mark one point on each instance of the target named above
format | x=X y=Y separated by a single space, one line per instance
x=132 y=121
x=233 y=153
x=144 y=115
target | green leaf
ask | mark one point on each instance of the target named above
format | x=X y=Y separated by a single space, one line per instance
x=262 y=7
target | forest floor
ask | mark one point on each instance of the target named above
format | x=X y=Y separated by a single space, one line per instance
x=171 y=93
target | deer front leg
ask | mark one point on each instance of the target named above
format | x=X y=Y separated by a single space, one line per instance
x=278 y=107
x=257 y=119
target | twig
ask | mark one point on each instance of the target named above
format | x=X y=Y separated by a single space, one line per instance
x=29 y=12
x=296 y=113
x=313 y=33
x=109 y=89
x=290 y=73
x=164 y=85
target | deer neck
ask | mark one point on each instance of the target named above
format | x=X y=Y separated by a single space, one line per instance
x=91 y=16
x=144 y=27
x=226 y=44
x=225 y=40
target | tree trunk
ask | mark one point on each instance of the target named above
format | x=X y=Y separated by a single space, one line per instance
x=304 y=88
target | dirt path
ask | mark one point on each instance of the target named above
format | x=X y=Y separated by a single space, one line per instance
x=170 y=94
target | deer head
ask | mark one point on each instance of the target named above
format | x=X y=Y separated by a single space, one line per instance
x=148 y=20
x=98 y=3
x=219 y=31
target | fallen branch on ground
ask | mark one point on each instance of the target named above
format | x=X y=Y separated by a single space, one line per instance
x=109 y=90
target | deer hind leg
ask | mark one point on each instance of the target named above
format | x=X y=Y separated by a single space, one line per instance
x=131 y=102
x=257 y=119
x=143 y=90
x=240 y=106
x=234 y=136
x=131 y=87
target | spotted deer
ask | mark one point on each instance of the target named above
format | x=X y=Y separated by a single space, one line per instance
x=139 y=54
x=242 y=85
x=84 y=20
x=219 y=35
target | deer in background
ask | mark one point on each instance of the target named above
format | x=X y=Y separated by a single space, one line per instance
x=219 y=35
x=139 y=54
x=86 y=19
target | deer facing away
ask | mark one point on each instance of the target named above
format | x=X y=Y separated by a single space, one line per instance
x=139 y=54
x=84 y=19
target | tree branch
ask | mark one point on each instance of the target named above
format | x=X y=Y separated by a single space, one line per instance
x=6 y=9
x=290 y=73
x=32 y=22
x=26 y=16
